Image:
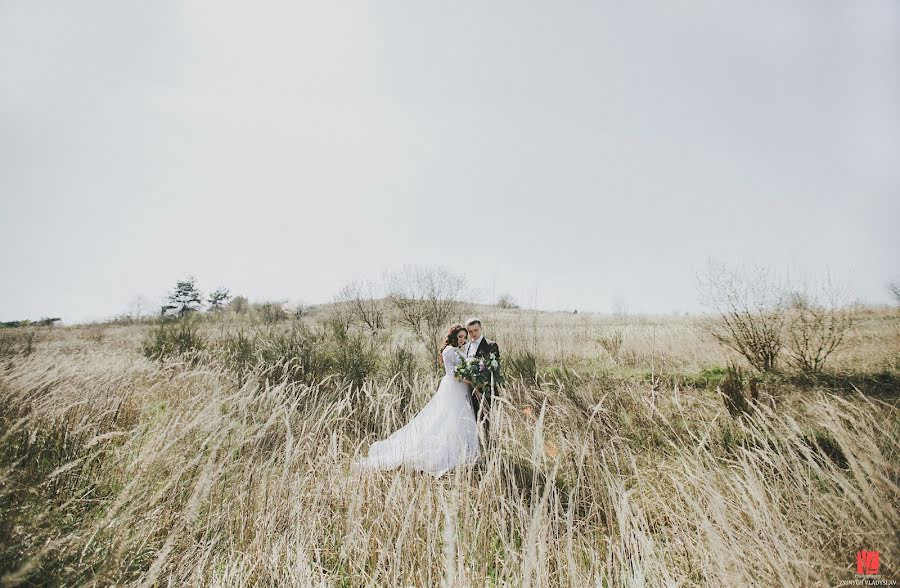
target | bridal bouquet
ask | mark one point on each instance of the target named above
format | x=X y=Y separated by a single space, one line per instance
x=480 y=371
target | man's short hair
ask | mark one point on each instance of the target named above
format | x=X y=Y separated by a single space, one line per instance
x=474 y=321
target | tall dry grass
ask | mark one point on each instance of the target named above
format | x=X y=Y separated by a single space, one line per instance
x=118 y=470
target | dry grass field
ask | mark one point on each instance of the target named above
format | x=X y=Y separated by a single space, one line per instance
x=615 y=462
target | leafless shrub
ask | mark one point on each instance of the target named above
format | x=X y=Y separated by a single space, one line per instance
x=620 y=311
x=362 y=305
x=137 y=307
x=427 y=300
x=751 y=312
x=339 y=318
x=300 y=310
x=507 y=302
x=238 y=305
x=817 y=323
x=760 y=315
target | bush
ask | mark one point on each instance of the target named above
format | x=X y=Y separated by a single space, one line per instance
x=299 y=311
x=426 y=300
x=95 y=334
x=815 y=329
x=296 y=356
x=613 y=343
x=521 y=364
x=751 y=314
x=507 y=302
x=218 y=299
x=732 y=390
x=13 y=342
x=303 y=356
x=271 y=313
x=361 y=306
x=823 y=442
x=238 y=305
x=239 y=352
x=402 y=365
x=709 y=377
x=353 y=358
x=562 y=375
x=760 y=316
x=174 y=337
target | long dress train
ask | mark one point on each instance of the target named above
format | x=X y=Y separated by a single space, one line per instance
x=442 y=436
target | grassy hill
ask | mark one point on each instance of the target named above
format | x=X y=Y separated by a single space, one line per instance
x=217 y=453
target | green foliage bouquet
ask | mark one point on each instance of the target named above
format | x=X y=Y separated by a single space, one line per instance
x=480 y=371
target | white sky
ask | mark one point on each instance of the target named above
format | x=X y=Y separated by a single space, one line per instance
x=573 y=154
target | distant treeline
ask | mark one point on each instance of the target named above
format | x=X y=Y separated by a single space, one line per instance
x=44 y=322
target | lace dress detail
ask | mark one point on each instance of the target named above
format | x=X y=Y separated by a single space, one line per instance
x=442 y=436
x=451 y=359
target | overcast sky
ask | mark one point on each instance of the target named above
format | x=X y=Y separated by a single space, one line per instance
x=573 y=154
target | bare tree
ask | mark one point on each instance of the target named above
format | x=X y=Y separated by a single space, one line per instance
x=137 y=307
x=751 y=312
x=507 y=301
x=818 y=321
x=300 y=310
x=894 y=287
x=339 y=317
x=620 y=311
x=427 y=300
x=360 y=302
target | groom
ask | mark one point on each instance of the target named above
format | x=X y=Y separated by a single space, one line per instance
x=481 y=346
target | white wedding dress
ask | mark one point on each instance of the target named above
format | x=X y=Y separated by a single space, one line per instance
x=440 y=437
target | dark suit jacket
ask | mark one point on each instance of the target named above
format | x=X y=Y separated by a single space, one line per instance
x=485 y=348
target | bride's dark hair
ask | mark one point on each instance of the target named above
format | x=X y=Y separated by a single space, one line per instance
x=450 y=339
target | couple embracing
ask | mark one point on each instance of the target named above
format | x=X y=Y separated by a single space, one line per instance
x=445 y=433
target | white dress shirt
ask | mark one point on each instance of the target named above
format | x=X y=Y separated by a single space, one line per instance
x=473 y=347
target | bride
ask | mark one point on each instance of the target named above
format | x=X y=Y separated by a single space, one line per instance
x=443 y=434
